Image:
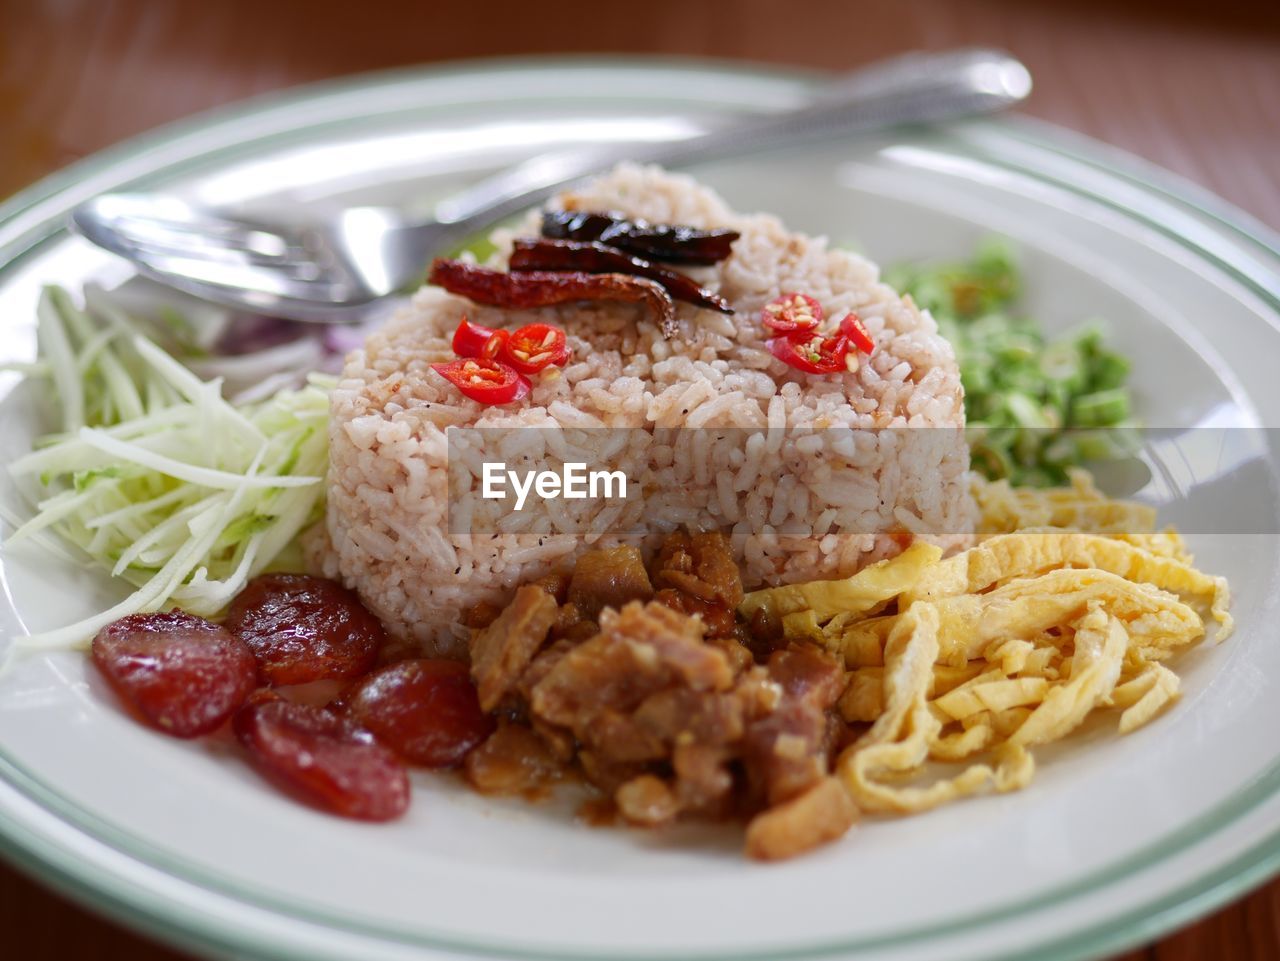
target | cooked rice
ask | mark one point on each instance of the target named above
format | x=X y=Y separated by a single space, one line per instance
x=387 y=520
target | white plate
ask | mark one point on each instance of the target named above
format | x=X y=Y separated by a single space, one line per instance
x=1117 y=839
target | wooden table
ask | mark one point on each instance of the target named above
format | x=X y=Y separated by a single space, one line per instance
x=1194 y=87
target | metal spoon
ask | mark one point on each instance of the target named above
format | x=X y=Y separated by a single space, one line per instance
x=338 y=271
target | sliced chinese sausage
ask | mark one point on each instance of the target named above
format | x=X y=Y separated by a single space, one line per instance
x=324 y=759
x=183 y=674
x=426 y=711
x=304 y=629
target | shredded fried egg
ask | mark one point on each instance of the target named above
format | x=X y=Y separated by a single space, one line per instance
x=1069 y=603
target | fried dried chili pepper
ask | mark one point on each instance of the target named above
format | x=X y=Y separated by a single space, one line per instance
x=544 y=289
x=598 y=258
x=681 y=245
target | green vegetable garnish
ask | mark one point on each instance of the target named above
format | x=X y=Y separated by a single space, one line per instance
x=155 y=477
x=1035 y=407
x=478 y=245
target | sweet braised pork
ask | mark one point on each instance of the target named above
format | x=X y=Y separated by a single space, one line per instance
x=822 y=813
x=501 y=652
x=788 y=750
x=696 y=575
x=610 y=577
x=640 y=650
x=657 y=701
x=514 y=760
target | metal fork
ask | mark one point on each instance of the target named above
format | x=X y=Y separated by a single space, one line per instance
x=338 y=271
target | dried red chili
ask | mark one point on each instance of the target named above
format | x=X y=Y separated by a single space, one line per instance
x=852 y=327
x=598 y=258
x=544 y=288
x=486 y=381
x=535 y=347
x=792 y=313
x=684 y=245
x=813 y=355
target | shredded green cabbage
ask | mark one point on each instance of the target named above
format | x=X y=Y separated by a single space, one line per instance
x=156 y=478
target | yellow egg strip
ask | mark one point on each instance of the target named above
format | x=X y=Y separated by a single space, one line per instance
x=858 y=594
x=1022 y=554
x=1010 y=645
x=1157 y=687
x=1100 y=642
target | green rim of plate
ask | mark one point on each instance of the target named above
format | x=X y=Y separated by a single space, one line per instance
x=1208 y=222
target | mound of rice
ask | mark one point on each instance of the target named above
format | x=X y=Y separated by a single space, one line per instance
x=386 y=524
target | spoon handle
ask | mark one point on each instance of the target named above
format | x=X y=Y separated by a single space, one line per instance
x=915 y=88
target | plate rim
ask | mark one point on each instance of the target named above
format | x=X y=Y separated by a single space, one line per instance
x=40 y=856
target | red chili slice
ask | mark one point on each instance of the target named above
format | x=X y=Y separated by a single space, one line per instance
x=469 y=339
x=324 y=758
x=852 y=327
x=535 y=347
x=792 y=314
x=427 y=711
x=486 y=381
x=493 y=346
x=303 y=629
x=813 y=355
x=184 y=674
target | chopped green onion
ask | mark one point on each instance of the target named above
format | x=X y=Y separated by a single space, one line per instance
x=1101 y=408
x=1026 y=398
